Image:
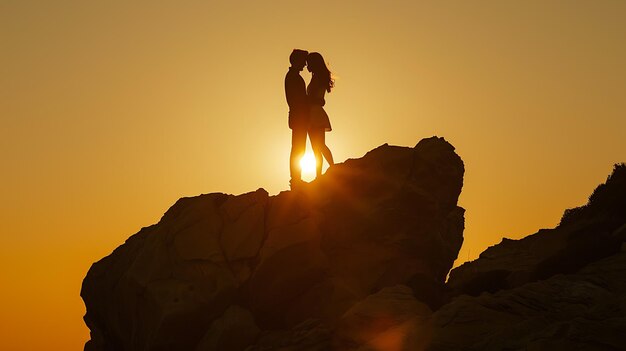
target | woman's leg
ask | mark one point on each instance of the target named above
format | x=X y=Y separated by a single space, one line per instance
x=317 y=144
x=326 y=151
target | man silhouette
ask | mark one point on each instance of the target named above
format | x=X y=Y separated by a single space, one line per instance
x=295 y=91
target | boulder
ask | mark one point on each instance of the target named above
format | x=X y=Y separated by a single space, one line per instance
x=162 y=288
x=220 y=265
x=388 y=218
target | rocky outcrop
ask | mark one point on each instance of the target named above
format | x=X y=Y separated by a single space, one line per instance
x=302 y=270
x=582 y=311
x=586 y=234
x=167 y=283
x=357 y=260
x=558 y=289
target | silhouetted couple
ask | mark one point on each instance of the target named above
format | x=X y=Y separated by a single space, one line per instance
x=306 y=111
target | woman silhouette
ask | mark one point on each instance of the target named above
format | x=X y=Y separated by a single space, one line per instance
x=319 y=123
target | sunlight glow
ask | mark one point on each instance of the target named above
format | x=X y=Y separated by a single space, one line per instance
x=307 y=164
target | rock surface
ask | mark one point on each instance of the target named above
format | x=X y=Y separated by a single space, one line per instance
x=391 y=319
x=558 y=289
x=282 y=271
x=357 y=260
x=586 y=234
x=582 y=311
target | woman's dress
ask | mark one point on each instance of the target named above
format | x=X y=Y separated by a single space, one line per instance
x=318 y=118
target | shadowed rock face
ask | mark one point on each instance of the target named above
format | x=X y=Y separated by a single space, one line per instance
x=162 y=288
x=582 y=311
x=292 y=271
x=558 y=289
x=586 y=234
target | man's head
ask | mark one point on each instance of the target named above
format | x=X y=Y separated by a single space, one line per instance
x=298 y=58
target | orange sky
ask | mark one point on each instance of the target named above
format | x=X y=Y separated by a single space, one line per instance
x=112 y=110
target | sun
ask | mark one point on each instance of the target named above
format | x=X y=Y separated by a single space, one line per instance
x=307 y=164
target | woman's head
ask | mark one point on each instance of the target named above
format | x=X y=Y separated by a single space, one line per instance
x=316 y=65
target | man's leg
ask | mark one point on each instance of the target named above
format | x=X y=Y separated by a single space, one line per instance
x=298 y=147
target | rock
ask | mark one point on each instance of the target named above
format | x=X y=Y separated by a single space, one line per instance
x=389 y=320
x=582 y=311
x=558 y=289
x=163 y=287
x=310 y=335
x=357 y=260
x=235 y=330
x=607 y=201
x=292 y=264
x=369 y=223
x=585 y=235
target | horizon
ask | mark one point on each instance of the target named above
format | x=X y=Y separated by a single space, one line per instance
x=111 y=112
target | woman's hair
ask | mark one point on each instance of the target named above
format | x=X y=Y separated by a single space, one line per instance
x=316 y=64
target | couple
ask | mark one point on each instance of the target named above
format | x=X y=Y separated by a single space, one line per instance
x=306 y=111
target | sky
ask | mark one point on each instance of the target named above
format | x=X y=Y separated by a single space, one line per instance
x=112 y=110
